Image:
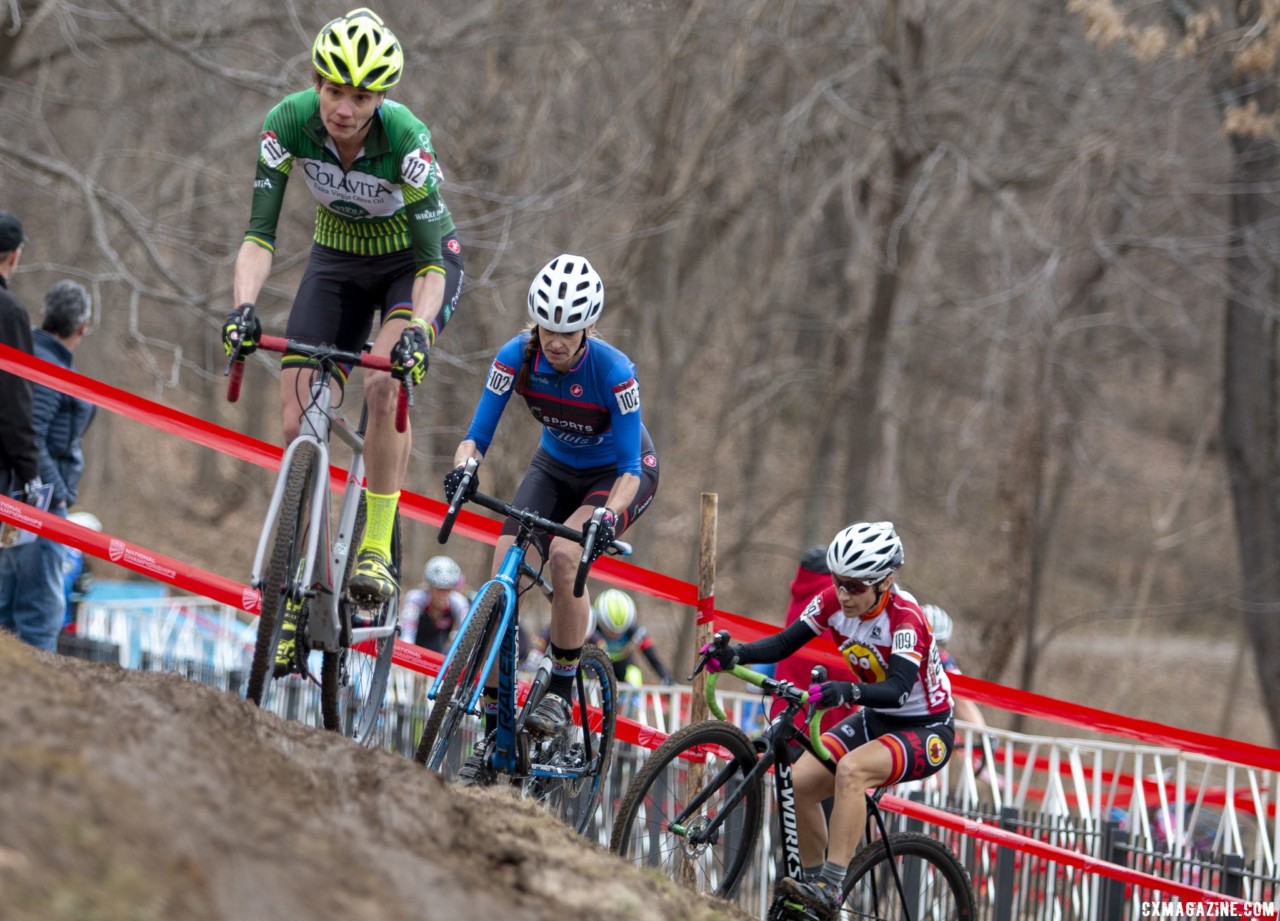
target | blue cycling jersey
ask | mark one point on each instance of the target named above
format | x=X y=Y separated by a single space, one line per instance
x=590 y=414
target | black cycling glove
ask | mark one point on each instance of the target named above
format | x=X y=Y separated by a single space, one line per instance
x=453 y=479
x=242 y=328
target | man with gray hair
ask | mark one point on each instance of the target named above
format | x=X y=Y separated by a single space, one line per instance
x=32 y=600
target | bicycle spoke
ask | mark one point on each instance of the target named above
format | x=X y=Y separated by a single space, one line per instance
x=586 y=751
x=935 y=885
x=706 y=847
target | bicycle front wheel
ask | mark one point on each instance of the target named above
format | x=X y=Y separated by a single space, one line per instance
x=935 y=885
x=464 y=675
x=694 y=778
x=285 y=564
x=353 y=680
x=585 y=754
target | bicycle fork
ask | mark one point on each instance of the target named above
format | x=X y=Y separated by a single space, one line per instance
x=708 y=834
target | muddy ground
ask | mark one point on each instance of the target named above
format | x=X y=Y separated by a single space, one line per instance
x=144 y=797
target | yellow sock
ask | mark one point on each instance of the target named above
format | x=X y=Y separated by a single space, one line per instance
x=379 y=522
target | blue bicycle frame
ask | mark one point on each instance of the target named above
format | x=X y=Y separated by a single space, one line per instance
x=504 y=751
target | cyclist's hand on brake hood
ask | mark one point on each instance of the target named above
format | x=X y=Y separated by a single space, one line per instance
x=453 y=479
x=605 y=534
x=242 y=328
x=409 y=355
x=830 y=694
x=720 y=659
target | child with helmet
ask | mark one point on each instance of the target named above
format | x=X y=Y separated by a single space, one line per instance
x=594 y=453
x=904 y=729
x=77 y=577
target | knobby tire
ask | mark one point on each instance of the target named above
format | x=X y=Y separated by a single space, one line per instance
x=353 y=707
x=573 y=800
x=286 y=553
x=641 y=829
x=936 y=883
x=459 y=682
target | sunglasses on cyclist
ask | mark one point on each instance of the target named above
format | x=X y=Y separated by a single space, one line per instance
x=852 y=586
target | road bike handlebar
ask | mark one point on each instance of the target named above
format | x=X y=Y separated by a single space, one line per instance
x=784 y=690
x=532 y=521
x=327 y=354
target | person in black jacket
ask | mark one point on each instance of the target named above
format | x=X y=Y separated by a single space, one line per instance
x=32 y=599
x=19 y=457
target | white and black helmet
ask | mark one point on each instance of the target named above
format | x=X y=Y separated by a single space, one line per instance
x=442 y=572
x=566 y=295
x=868 y=551
x=939 y=622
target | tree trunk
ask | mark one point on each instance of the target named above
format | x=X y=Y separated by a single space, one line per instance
x=1250 y=429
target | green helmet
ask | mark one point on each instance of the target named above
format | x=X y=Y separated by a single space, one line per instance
x=615 y=612
x=358 y=50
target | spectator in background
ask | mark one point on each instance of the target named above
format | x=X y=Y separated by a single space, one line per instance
x=19 y=456
x=941 y=624
x=32 y=599
x=77 y=574
x=436 y=606
x=811 y=578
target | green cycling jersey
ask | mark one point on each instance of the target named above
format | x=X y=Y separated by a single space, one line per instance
x=389 y=200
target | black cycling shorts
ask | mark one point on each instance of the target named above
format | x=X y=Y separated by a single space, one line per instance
x=341 y=293
x=555 y=490
x=919 y=746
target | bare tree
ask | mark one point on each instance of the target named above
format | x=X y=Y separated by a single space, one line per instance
x=1238 y=45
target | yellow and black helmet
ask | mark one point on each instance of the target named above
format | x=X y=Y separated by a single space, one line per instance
x=615 y=612
x=358 y=50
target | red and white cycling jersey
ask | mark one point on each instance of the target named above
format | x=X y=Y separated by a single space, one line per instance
x=900 y=629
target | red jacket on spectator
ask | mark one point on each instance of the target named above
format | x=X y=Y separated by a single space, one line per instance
x=811 y=577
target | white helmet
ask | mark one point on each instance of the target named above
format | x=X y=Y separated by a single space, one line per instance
x=939 y=622
x=566 y=295
x=867 y=551
x=442 y=572
x=85 y=520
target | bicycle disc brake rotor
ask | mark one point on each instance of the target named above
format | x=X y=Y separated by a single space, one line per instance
x=691 y=842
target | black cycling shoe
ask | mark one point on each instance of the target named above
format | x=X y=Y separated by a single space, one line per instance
x=551 y=717
x=808 y=900
x=475 y=770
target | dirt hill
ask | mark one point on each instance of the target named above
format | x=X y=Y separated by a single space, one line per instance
x=145 y=797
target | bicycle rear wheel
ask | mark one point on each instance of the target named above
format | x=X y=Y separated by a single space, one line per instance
x=464 y=675
x=588 y=748
x=694 y=777
x=934 y=882
x=285 y=563
x=353 y=681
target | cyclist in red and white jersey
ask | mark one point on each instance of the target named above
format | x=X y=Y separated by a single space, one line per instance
x=904 y=729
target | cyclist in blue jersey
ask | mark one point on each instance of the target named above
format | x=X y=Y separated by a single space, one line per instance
x=384 y=248
x=594 y=452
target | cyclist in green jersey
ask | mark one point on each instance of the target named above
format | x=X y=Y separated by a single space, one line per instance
x=384 y=246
